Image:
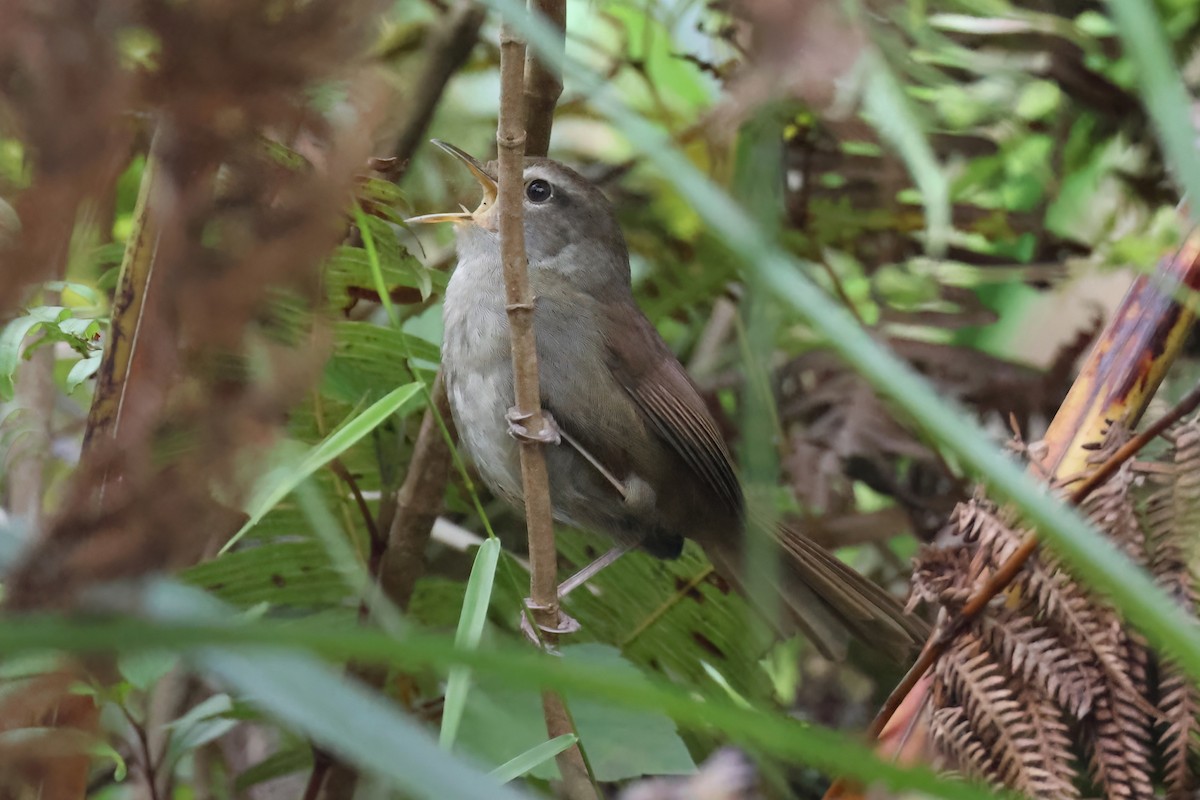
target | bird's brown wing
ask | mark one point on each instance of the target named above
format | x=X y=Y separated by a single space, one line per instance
x=827 y=598
x=645 y=367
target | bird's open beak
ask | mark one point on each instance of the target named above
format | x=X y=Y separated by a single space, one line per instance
x=486 y=181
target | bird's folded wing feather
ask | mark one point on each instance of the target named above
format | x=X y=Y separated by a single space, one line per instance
x=649 y=372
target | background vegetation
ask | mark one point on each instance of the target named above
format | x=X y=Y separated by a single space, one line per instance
x=225 y=490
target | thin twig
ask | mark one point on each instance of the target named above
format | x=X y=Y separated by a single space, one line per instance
x=543 y=557
x=364 y=510
x=543 y=84
x=148 y=761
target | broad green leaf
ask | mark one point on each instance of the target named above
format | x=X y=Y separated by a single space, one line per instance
x=470 y=629
x=203 y=723
x=501 y=722
x=295 y=574
x=145 y=669
x=279 y=482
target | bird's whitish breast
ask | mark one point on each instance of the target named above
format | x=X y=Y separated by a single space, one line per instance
x=478 y=365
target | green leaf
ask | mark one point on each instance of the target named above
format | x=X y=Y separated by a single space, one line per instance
x=1166 y=96
x=83 y=369
x=367 y=356
x=145 y=669
x=281 y=573
x=470 y=629
x=277 y=483
x=203 y=723
x=893 y=116
x=361 y=727
x=282 y=762
x=533 y=758
x=502 y=722
x=13 y=336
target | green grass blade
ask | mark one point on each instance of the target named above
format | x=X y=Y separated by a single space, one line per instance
x=532 y=758
x=470 y=629
x=766 y=731
x=1166 y=97
x=892 y=115
x=362 y=727
x=277 y=484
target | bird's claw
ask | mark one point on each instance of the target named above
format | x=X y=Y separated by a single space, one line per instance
x=565 y=623
x=549 y=433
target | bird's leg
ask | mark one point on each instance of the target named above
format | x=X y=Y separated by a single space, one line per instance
x=567 y=623
x=549 y=434
x=564 y=625
x=591 y=570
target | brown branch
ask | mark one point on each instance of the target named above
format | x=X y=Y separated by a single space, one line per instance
x=448 y=49
x=418 y=503
x=543 y=557
x=543 y=83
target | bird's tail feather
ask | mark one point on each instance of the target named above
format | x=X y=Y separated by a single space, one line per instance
x=828 y=602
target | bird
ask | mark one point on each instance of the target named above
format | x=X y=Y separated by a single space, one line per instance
x=632 y=451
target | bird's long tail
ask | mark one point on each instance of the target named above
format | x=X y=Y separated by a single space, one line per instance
x=828 y=601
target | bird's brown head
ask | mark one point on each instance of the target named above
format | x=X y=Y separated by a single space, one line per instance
x=570 y=226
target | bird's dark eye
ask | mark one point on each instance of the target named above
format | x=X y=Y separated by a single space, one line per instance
x=538 y=190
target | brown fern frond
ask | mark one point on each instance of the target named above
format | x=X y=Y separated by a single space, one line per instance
x=1039 y=658
x=973 y=679
x=1111 y=507
x=1117 y=741
x=1172 y=520
x=961 y=748
x=943 y=576
x=1057 y=776
x=1058 y=602
x=1179 y=707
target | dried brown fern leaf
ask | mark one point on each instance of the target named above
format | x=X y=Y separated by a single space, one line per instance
x=1083 y=626
x=1058 y=776
x=1035 y=655
x=942 y=576
x=968 y=676
x=1116 y=738
x=1112 y=508
x=1178 y=731
x=956 y=740
x=1171 y=519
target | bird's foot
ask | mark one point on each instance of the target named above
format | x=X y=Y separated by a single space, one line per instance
x=549 y=434
x=563 y=625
